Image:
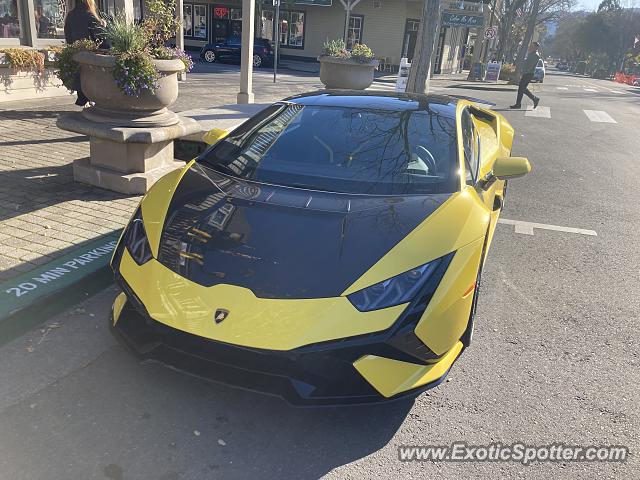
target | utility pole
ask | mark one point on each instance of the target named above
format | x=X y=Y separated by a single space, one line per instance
x=276 y=38
x=420 y=73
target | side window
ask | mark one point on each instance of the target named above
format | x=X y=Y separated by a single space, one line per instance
x=471 y=145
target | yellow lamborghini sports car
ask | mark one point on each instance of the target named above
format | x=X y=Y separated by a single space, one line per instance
x=328 y=250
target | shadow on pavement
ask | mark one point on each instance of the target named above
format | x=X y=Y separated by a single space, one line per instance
x=155 y=423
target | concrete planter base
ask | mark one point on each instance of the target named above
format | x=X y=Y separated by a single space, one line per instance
x=124 y=159
x=341 y=73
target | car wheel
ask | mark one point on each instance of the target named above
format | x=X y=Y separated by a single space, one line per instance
x=257 y=60
x=210 y=56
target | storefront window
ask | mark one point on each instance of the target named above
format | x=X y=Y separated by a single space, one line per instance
x=187 y=20
x=291 y=27
x=49 y=16
x=9 y=19
x=200 y=21
x=354 y=34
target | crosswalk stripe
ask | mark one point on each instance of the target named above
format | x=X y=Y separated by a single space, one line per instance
x=615 y=91
x=599 y=116
x=562 y=88
x=590 y=90
x=540 y=112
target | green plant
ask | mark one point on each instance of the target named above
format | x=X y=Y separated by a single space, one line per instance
x=160 y=23
x=335 y=48
x=24 y=59
x=361 y=53
x=68 y=68
x=134 y=72
x=166 y=53
x=124 y=36
x=134 y=46
x=507 y=71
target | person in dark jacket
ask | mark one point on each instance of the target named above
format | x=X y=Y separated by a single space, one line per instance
x=527 y=75
x=84 y=23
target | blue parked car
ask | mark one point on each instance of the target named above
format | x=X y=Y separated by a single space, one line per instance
x=229 y=51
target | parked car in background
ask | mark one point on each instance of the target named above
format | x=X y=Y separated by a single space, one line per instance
x=229 y=51
x=538 y=75
x=563 y=66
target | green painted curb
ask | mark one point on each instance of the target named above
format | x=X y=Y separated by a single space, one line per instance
x=33 y=297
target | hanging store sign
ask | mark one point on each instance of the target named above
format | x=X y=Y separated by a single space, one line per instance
x=457 y=19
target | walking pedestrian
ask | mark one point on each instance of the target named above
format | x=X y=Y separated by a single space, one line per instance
x=84 y=23
x=527 y=75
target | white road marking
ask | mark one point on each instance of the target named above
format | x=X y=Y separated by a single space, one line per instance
x=540 y=112
x=590 y=90
x=615 y=91
x=599 y=116
x=526 y=228
x=562 y=88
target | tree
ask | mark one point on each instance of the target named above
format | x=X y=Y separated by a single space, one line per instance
x=418 y=81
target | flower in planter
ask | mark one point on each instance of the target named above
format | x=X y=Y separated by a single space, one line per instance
x=361 y=53
x=134 y=47
x=338 y=49
x=68 y=68
x=24 y=59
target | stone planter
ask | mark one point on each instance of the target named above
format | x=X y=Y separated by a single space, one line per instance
x=344 y=73
x=114 y=107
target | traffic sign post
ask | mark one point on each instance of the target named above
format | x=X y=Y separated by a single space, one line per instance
x=490 y=33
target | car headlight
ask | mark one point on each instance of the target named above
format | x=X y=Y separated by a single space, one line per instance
x=396 y=290
x=135 y=239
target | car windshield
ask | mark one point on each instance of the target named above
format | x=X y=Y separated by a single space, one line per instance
x=350 y=150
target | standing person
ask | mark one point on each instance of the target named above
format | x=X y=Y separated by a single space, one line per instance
x=527 y=74
x=84 y=23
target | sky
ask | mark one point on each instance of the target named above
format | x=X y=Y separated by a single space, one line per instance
x=593 y=4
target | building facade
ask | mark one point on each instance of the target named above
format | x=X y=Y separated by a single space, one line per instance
x=389 y=27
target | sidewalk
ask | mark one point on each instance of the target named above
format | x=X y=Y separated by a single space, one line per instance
x=43 y=212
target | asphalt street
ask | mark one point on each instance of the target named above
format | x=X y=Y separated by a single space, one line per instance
x=555 y=356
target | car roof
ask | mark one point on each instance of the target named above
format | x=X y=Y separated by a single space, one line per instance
x=445 y=105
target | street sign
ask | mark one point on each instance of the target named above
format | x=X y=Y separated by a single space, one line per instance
x=493 y=72
x=490 y=33
x=403 y=75
x=457 y=19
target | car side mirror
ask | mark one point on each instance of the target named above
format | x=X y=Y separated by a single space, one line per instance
x=214 y=135
x=510 y=167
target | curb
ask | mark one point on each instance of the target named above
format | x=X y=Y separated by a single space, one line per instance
x=30 y=299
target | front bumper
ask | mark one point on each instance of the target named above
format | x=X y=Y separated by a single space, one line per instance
x=321 y=374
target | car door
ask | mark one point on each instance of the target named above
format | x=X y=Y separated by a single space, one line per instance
x=234 y=48
x=481 y=148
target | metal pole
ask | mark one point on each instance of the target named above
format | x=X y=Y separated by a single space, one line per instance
x=246 y=64
x=182 y=76
x=486 y=40
x=276 y=37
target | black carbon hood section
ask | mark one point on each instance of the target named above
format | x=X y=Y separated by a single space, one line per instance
x=281 y=242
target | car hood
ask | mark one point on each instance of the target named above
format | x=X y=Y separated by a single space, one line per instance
x=281 y=242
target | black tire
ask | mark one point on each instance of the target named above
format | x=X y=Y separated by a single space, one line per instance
x=210 y=56
x=257 y=61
